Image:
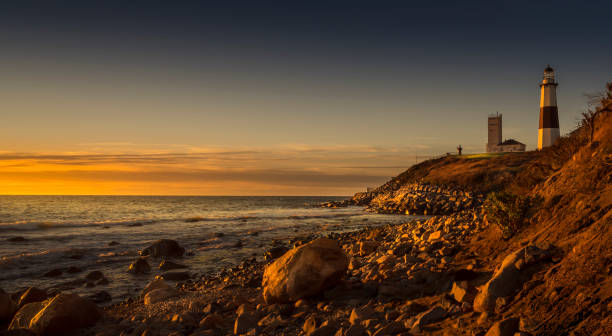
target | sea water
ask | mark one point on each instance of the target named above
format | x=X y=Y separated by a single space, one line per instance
x=106 y=233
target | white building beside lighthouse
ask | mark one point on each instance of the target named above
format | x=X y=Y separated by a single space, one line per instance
x=548 y=131
x=495 y=143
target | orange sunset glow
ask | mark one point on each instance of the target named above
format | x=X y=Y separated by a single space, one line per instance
x=284 y=170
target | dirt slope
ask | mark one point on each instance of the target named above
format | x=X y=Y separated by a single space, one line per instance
x=573 y=294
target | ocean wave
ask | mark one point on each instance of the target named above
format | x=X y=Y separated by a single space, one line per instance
x=33 y=226
x=268 y=217
x=18 y=226
x=64 y=252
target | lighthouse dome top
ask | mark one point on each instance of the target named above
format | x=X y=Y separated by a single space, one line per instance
x=549 y=76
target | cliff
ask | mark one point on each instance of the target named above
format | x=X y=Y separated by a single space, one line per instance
x=573 y=218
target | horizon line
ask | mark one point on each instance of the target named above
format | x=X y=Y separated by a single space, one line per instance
x=177 y=195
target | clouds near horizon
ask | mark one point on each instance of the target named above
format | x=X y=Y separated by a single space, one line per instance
x=283 y=170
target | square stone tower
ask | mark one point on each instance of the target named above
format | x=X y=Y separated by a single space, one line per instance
x=495 y=131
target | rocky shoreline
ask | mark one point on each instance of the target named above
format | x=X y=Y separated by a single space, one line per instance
x=397 y=279
x=417 y=198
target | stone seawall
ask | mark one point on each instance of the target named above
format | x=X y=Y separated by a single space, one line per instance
x=424 y=199
x=415 y=198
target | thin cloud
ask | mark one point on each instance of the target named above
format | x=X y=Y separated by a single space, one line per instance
x=286 y=169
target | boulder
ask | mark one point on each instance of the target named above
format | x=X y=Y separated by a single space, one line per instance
x=460 y=291
x=166 y=265
x=164 y=248
x=63 y=314
x=158 y=283
x=304 y=271
x=25 y=314
x=7 y=306
x=505 y=327
x=435 y=236
x=508 y=278
x=139 y=266
x=32 y=294
x=432 y=315
x=160 y=294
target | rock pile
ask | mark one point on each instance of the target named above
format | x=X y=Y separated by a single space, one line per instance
x=424 y=199
x=416 y=198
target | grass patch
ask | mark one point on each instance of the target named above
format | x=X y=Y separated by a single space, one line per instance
x=483 y=155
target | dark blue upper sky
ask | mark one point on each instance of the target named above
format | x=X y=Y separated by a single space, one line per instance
x=347 y=72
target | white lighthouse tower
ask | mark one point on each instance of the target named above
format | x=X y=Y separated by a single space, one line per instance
x=548 y=132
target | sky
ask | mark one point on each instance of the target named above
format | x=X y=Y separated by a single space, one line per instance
x=276 y=98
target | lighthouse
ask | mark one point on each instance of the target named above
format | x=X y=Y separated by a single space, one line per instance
x=548 y=131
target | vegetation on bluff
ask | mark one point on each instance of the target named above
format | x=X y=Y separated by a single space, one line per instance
x=509 y=211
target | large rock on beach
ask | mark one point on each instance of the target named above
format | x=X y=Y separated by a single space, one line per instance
x=159 y=295
x=508 y=278
x=60 y=315
x=304 y=271
x=22 y=318
x=158 y=290
x=164 y=248
x=158 y=283
x=139 y=266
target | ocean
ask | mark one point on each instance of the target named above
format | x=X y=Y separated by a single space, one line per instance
x=105 y=233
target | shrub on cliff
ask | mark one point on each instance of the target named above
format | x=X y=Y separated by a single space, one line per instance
x=508 y=211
